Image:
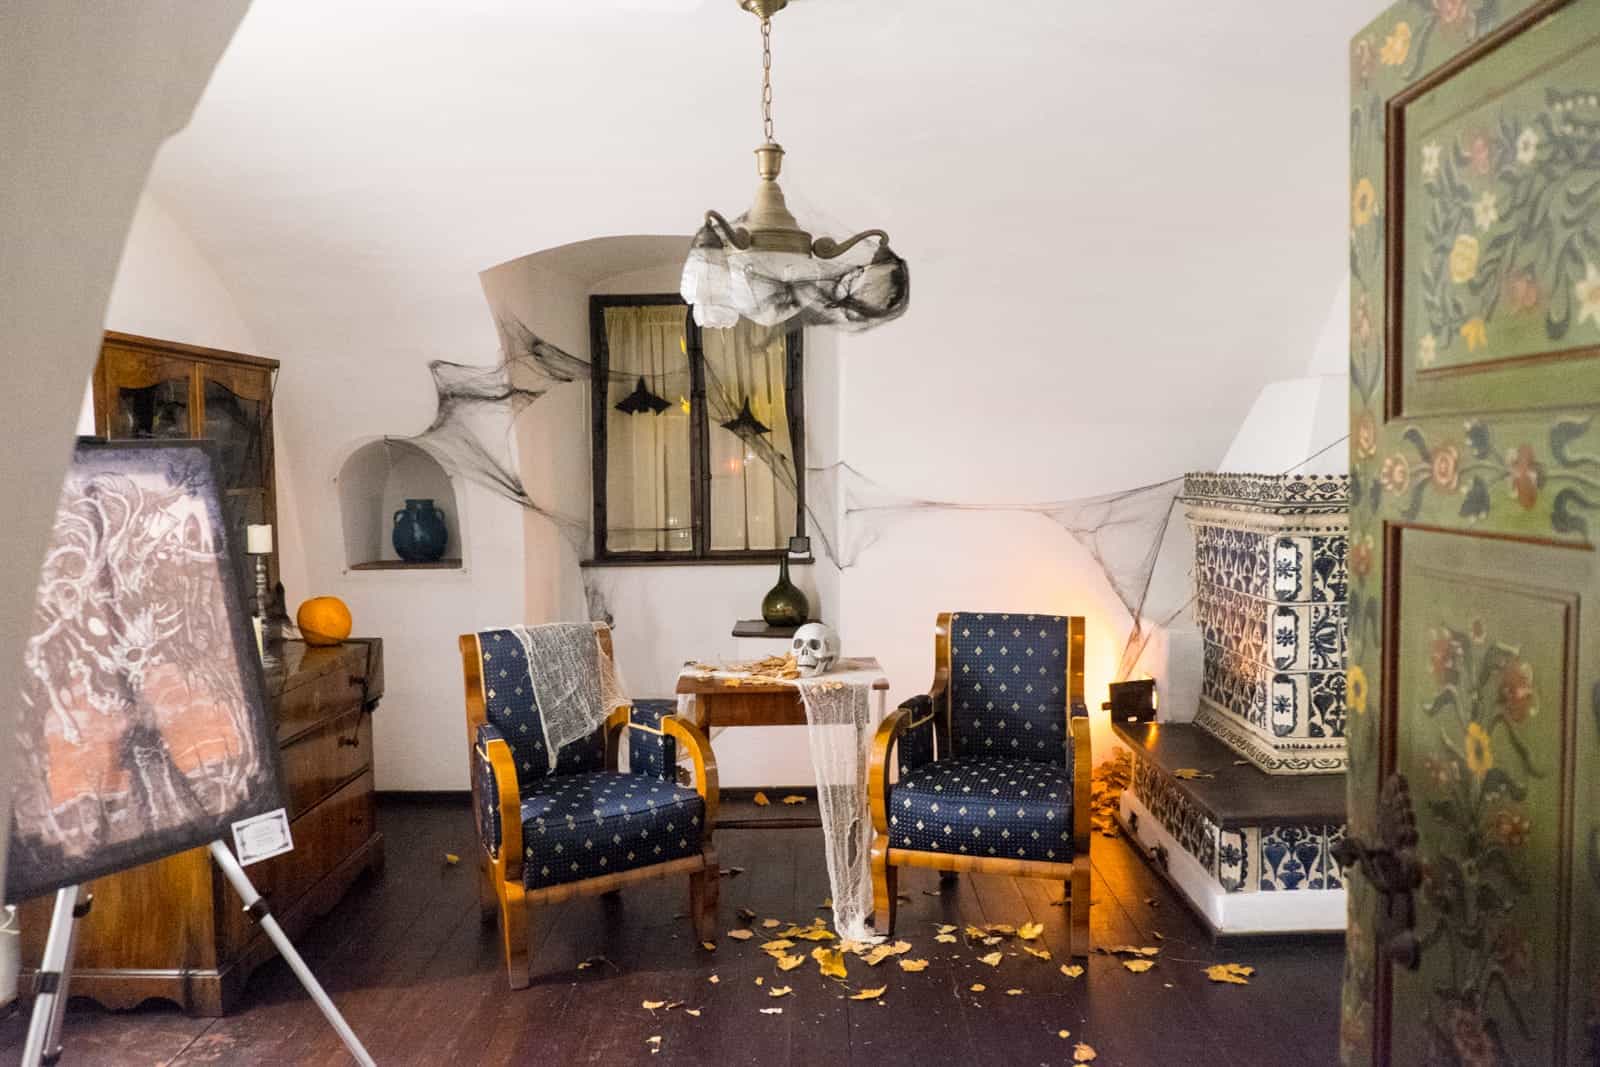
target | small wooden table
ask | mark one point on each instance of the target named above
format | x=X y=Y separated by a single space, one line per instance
x=763 y=702
x=760 y=702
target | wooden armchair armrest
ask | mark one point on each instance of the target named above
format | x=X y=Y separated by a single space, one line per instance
x=693 y=743
x=508 y=864
x=1082 y=777
x=883 y=742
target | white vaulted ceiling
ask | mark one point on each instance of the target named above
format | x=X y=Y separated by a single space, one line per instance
x=1154 y=190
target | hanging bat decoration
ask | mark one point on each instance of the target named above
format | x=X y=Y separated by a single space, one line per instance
x=642 y=399
x=745 y=425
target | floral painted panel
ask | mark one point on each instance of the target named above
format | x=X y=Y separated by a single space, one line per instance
x=1502 y=202
x=1465 y=446
x=1484 y=738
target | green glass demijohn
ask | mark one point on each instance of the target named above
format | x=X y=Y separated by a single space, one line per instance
x=784 y=604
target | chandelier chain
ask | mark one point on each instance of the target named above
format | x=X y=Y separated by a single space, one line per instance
x=766 y=78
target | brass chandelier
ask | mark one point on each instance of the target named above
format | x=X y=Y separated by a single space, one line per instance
x=764 y=266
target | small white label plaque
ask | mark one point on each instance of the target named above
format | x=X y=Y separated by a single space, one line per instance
x=262 y=836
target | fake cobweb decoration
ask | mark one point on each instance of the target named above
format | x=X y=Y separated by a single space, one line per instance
x=847 y=512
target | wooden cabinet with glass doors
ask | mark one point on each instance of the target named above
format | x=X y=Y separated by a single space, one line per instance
x=145 y=389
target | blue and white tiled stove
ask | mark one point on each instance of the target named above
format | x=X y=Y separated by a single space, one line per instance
x=1253 y=847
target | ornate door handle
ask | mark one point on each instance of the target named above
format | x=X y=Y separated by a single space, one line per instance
x=1392 y=866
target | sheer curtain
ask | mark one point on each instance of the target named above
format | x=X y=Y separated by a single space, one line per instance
x=648 y=497
x=751 y=506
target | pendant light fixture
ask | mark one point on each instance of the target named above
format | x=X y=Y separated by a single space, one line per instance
x=766 y=267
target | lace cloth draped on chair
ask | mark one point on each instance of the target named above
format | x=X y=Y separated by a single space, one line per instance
x=575 y=684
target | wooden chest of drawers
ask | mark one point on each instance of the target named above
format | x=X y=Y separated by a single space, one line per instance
x=174 y=929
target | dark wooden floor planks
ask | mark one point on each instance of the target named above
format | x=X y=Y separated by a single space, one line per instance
x=421 y=979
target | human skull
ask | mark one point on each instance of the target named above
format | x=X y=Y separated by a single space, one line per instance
x=816 y=649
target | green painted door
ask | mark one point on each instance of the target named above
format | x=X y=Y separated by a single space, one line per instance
x=1475 y=584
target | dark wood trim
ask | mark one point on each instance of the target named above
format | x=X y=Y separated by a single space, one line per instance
x=700 y=553
x=599 y=393
x=757 y=558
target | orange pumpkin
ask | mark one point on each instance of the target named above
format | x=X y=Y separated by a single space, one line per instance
x=323 y=620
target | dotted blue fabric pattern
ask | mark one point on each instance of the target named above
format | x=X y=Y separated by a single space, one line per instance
x=509 y=703
x=1008 y=686
x=486 y=788
x=915 y=746
x=652 y=753
x=585 y=825
x=985 y=806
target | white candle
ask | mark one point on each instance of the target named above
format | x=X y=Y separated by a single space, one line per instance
x=258 y=540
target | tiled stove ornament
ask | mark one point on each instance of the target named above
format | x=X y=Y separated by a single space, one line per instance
x=1270 y=573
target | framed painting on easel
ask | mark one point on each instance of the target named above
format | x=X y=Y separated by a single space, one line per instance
x=143 y=728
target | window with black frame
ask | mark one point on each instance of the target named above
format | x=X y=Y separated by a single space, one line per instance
x=698 y=435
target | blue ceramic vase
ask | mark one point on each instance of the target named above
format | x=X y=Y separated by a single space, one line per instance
x=420 y=535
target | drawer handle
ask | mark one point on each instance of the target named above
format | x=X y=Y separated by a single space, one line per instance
x=349 y=742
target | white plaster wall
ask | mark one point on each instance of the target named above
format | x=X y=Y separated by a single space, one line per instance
x=1092 y=309
x=167 y=288
x=75 y=149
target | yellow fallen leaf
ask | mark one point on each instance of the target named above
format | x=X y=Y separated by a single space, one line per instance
x=1190 y=774
x=812 y=933
x=884 y=951
x=709 y=946
x=1072 y=970
x=779 y=991
x=1063 y=1034
x=995 y=940
x=830 y=961
x=1150 y=950
x=741 y=935
x=770 y=924
x=1138 y=966
x=1231 y=973
x=771 y=1011
x=652 y=1005
x=692 y=1011
x=1002 y=928
x=948 y=939
x=974 y=933
x=1013 y=992
x=978 y=987
x=913 y=965
x=761 y=799
x=451 y=858
x=946 y=928
x=789 y=963
x=827 y=904
x=1083 y=1053
x=1030 y=931
x=777 y=946
x=746 y=915
x=792 y=799
x=1037 y=953
x=992 y=959
x=871 y=994
x=760 y=980
x=713 y=979
x=654 y=1041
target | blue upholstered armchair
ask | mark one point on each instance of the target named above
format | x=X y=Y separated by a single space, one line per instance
x=587 y=826
x=994 y=763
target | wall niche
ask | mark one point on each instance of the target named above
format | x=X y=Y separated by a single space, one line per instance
x=374 y=483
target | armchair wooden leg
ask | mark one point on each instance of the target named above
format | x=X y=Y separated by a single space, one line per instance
x=488 y=906
x=1078 y=908
x=514 y=934
x=704 y=893
x=885 y=887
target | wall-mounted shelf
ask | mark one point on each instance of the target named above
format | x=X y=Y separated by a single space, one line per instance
x=402 y=565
